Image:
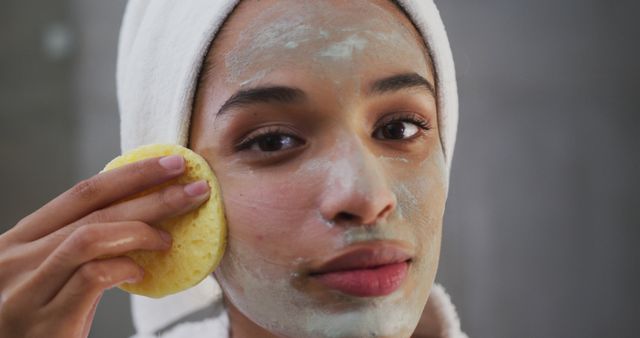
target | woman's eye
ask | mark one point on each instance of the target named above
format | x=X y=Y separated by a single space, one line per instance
x=396 y=130
x=272 y=142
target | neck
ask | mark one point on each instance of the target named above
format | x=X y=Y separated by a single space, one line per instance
x=243 y=327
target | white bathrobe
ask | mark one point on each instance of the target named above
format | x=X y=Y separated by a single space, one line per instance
x=161 y=49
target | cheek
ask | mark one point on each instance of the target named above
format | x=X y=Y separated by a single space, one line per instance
x=421 y=204
x=273 y=226
x=271 y=217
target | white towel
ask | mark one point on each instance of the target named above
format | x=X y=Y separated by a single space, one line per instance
x=161 y=48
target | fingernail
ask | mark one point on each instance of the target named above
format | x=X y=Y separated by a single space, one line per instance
x=165 y=236
x=133 y=280
x=136 y=279
x=172 y=162
x=198 y=188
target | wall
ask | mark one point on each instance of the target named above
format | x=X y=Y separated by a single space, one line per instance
x=542 y=218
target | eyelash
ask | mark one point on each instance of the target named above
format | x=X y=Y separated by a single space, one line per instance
x=247 y=142
x=408 y=117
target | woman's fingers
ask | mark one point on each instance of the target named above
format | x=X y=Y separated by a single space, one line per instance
x=75 y=304
x=89 y=317
x=79 y=296
x=153 y=208
x=95 y=193
x=165 y=203
x=86 y=244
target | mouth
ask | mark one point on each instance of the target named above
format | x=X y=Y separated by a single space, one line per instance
x=369 y=270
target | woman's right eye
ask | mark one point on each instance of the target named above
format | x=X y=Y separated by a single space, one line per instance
x=271 y=141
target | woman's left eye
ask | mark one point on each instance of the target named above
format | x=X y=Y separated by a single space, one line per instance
x=399 y=130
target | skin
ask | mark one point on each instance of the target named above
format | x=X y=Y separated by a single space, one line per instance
x=334 y=181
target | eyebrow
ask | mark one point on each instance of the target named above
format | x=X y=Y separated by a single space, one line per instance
x=288 y=95
x=401 y=81
x=264 y=94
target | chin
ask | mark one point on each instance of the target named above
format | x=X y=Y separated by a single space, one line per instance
x=290 y=311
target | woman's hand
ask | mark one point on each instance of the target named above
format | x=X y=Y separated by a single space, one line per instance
x=51 y=274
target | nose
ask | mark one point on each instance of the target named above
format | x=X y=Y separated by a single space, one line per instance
x=357 y=191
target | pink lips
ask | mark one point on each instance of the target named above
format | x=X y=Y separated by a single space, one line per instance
x=366 y=271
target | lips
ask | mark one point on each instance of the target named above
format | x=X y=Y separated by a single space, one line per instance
x=368 y=270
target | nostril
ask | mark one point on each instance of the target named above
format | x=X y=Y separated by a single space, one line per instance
x=385 y=211
x=345 y=217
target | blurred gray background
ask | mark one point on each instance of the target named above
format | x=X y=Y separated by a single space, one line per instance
x=543 y=219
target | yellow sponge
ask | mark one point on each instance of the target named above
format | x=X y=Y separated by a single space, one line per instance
x=199 y=237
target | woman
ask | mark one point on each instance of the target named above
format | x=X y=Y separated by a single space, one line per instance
x=330 y=126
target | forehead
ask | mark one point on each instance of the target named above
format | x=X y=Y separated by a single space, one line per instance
x=337 y=40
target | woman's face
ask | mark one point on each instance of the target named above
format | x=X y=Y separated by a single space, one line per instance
x=320 y=122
